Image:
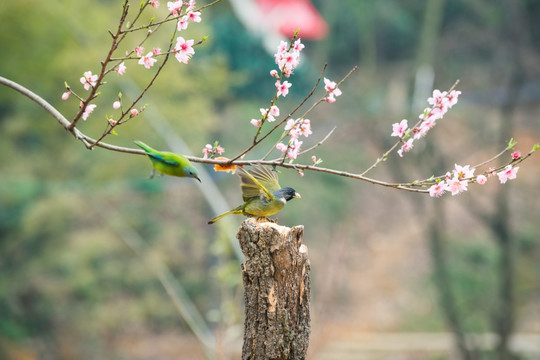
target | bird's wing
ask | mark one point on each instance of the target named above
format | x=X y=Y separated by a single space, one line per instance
x=164 y=158
x=258 y=180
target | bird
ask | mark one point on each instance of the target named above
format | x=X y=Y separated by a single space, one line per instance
x=261 y=192
x=168 y=163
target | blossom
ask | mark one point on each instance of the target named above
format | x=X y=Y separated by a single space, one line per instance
x=88 y=80
x=294 y=148
x=116 y=105
x=207 y=150
x=516 y=155
x=274 y=73
x=183 y=50
x=183 y=23
x=481 y=179
x=190 y=5
x=305 y=127
x=139 y=50
x=452 y=98
x=281 y=147
x=147 y=60
x=112 y=122
x=456 y=186
x=156 y=51
x=134 y=112
x=283 y=89
x=298 y=46
x=463 y=172
x=406 y=147
x=314 y=159
x=331 y=89
x=508 y=173
x=154 y=3
x=398 y=129
x=437 y=97
x=65 y=95
x=194 y=16
x=174 y=7
x=88 y=110
x=438 y=189
x=256 y=122
x=121 y=69
x=274 y=110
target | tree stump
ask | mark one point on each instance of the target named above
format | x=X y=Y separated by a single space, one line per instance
x=277 y=292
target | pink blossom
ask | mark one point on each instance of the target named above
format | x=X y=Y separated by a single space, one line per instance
x=438 y=189
x=207 y=150
x=456 y=186
x=121 y=69
x=282 y=47
x=463 y=172
x=112 y=122
x=298 y=46
x=256 y=122
x=174 y=7
x=183 y=49
x=134 y=112
x=88 y=80
x=516 y=155
x=274 y=73
x=147 y=60
x=398 y=129
x=88 y=111
x=288 y=61
x=281 y=147
x=305 y=127
x=220 y=150
x=139 y=50
x=301 y=173
x=332 y=90
x=508 y=173
x=116 y=105
x=481 y=179
x=156 y=51
x=283 y=89
x=65 y=95
x=406 y=147
x=294 y=148
x=154 y=3
x=452 y=98
x=290 y=124
x=437 y=97
x=274 y=110
x=183 y=23
x=314 y=159
x=194 y=16
x=190 y=5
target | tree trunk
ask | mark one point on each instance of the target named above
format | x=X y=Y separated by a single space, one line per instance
x=277 y=291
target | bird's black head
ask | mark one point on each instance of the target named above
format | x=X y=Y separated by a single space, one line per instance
x=287 y=193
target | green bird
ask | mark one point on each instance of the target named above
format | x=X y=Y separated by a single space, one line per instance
x=261 y=193
x=168 y=163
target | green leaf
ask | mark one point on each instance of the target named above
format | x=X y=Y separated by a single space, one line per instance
x=114 y=132
x=511 y=144
x=535 y=147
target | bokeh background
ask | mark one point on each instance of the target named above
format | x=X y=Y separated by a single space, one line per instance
x=98 y=262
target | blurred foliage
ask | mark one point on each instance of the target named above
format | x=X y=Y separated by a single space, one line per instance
x=69 y=285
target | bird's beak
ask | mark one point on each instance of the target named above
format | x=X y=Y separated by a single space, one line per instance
x=196 y=177
x=297 y=195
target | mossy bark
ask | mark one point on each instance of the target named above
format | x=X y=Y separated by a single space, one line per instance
x=277 y=291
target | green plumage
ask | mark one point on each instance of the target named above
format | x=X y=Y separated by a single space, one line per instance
x=261 y=193
x=169 y=163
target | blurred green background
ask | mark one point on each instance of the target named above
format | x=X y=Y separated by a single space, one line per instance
x=87 y=241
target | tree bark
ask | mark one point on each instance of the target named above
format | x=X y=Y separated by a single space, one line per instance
x=277 y=291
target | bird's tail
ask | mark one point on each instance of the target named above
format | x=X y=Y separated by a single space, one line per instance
x=143 y=146
x=236 y=211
